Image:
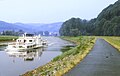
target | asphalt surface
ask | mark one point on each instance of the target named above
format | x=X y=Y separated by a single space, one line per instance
x=103 y=60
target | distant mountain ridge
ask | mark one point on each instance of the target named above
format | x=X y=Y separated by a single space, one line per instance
x=8 y=26
x=30 y=27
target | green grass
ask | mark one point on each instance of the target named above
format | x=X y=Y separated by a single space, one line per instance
x=114 y=41
x=66 y=48
x=72 y=39
x=7 y=38
x=66 y=61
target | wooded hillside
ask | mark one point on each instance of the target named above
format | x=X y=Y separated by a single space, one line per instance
x=106 y=24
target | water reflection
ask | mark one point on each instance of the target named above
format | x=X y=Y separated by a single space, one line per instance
x=28 y=55
x=2 y=48
x=15 y=63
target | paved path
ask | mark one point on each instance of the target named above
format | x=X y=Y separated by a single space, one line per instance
x=103 y=60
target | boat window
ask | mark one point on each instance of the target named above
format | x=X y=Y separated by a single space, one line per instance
x=30 y=40
x=27 y=46
x=20 y=46
x=24 y=41
x=19 y=40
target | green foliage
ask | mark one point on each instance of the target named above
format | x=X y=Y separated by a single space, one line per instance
x=65 y=48
x=108 y=21
x=12 y=32
x=73 y=27
x=7 y=38
x=106 y=24
x=90 y=27
x=84 y=42
x=56 y=58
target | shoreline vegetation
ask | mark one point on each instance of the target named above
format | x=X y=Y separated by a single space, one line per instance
x=4 y=39
x=67 y=60
x=7 y=38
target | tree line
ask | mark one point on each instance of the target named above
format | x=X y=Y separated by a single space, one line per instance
x=106 y=24
x=12 y=32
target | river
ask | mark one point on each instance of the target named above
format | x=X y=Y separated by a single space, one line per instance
x=15 y=64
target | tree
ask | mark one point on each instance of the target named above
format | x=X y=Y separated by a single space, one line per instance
x=46 y=33
x=73 y=27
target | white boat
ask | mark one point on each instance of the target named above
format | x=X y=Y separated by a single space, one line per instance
x=26 y=42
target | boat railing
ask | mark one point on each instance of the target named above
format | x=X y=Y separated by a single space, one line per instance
x=20 y=43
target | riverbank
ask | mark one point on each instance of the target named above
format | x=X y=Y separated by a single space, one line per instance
x=66 y=61
x=5 y=39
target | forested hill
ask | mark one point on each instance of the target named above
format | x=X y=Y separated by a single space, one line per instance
x=106 y=24
x=73 y=27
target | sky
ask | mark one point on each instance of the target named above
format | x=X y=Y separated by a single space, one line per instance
x=50 y=11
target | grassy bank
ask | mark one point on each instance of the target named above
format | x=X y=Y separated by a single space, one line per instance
x=7 y=38
x=114 y=41
x=75 y=40
x=63 y=63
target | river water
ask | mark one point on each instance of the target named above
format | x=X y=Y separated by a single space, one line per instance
x=17 y=63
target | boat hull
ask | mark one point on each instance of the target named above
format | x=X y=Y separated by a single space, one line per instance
x=23 y=49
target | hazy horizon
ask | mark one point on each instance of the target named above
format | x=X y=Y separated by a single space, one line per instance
x=45 y=11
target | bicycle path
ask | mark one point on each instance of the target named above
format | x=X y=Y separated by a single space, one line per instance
x=103 y=60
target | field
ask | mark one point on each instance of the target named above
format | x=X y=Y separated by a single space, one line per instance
x=66 y=61
x=7 y=38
